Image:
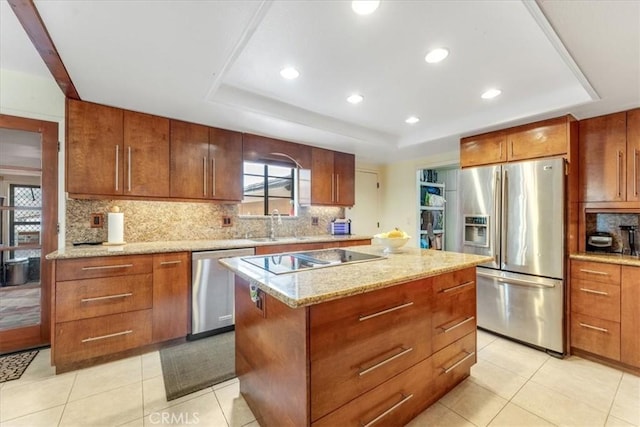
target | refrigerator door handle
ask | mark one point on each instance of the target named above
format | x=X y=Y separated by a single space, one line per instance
x=505 y=217
x=496 y=219
x=518 y=282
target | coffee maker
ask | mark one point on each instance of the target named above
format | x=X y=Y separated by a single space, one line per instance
x=631 y=231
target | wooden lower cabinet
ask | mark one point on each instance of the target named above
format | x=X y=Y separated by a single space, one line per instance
x=106 y=305
x=360 y=360
x=630 y=316
x=605 y=319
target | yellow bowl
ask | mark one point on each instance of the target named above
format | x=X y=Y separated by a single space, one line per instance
x=391 y=244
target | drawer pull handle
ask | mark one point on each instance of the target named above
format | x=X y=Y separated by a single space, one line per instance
x=388 y=411
x=459 y=362
x=388 y=310
x=591 y=291
x=106 y=267
x=117 y=334
x=128 y=294
x=451 y=328
x=170 y=262
x=600 y=273
x=584 y=325
x=385 y=361
x=453 y=288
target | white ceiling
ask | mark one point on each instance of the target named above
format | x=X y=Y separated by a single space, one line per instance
x=20 y=152
x=218 y=63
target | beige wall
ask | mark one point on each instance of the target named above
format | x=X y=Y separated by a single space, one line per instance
x=24 y=95
x=399 y=192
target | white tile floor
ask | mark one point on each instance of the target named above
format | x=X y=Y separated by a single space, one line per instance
x=511 y=385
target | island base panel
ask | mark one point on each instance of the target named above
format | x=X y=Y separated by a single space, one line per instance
x=272 y=358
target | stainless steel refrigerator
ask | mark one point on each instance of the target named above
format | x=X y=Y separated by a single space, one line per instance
x=515 y=214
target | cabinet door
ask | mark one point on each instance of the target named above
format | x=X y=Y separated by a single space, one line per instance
x=225 y=162
x=633 y=155
x=344 y=169
x=630 y=316
x=543 y=139
x=483 y=149
x=171 y=274
x=322 y=182
x=146 y=156
x=189 y=160
x=602 y=150
x=94 y=149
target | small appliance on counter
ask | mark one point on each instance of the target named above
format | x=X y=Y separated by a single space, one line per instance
x=600 y=241
x=341 y=227
x=631 y=240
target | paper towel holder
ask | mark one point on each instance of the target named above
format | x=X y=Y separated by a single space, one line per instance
x=114 y=221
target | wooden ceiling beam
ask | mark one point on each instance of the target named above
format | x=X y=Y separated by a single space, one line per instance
x=32 y=23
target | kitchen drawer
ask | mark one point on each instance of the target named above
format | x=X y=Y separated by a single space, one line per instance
x=81 y=299
x=596 y=336
x=595 y=272
x=351 y=370
x=393 y=403
x=595 y=299
x=87 y=268
x=454 y=307
x=87 y=338
x=343 y=322
x=452 y=363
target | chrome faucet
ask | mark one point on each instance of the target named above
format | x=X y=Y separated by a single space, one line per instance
x=272 y=234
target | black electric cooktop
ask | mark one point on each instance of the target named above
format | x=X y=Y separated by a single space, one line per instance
x=297 y=261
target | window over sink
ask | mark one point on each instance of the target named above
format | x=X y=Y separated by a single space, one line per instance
x=268 y=186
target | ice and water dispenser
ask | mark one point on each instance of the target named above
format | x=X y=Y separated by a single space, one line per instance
x=476 y=230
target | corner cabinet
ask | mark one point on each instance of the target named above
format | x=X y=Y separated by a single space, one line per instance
x=104 y=307
x=332 y=178
x=94 y=149
x=206 y=163
x=113 y=152
x=610 y=158
x=432 y=215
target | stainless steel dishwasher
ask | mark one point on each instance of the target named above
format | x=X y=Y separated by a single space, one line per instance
x=212 y=295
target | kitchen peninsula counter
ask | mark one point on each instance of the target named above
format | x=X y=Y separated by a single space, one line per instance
x=315 y=286
x=88 y=251
x=373 y=342
x=619 y=259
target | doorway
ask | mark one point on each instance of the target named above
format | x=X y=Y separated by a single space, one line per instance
x=28 y=229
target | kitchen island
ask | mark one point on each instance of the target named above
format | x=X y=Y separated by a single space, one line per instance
x=373 y=342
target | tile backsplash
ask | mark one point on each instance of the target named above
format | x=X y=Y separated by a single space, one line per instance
x=611 y=222
x=149 y=221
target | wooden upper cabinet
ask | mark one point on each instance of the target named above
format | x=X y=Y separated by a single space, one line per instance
x=483 y=149
x=603 y=142
x=189 y=160
x=322 y=182
x=344 y=167
x=260 y=148
x=146 y=155
x=332 y=178
x=225 y=159
x=633 y=155
x=94 y=149
x=541 y=139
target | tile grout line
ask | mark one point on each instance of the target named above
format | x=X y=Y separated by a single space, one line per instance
x=220 y=406
x=613 y=401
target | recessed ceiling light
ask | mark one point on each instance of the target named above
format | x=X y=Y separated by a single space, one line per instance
x=436 y=55
x=365 y=7
x=355 y=99
x=412 y=120
x=491 y=93
x=289 y=73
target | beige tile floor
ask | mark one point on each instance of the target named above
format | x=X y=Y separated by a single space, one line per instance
x=511 y=385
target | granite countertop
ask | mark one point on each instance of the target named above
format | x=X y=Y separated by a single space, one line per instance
x=315 y=286
x=89 y=251
x=633 y=261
